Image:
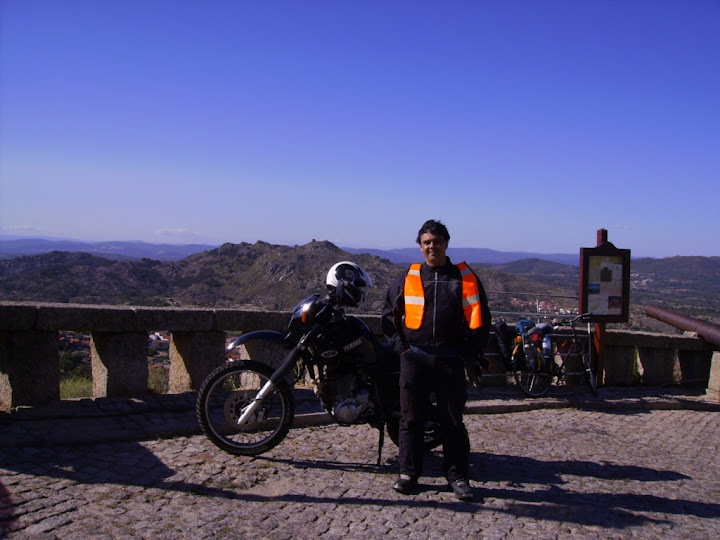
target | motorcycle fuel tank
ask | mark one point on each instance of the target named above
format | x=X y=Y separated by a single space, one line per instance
x=349 y=342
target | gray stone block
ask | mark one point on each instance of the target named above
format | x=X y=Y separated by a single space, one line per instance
x=172 y=319
x=85 y=318
x=17 y=317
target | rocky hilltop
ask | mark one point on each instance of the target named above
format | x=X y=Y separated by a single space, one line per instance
x=260 y=275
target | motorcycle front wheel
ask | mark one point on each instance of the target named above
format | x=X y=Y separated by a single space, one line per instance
x=223 y=396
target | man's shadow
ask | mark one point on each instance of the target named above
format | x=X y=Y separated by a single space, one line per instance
x=123 y=463
x=553 y=501
x=132 y=464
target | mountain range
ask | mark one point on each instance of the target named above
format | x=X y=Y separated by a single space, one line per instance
x=266 y=276
x=257 y=275
x=11 y=246
x=470 y=255
x=15 y=246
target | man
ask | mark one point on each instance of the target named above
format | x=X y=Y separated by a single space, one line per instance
x=436 y=316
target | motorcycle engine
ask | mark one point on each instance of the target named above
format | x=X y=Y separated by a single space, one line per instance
x=347 y=398
x=346 y=390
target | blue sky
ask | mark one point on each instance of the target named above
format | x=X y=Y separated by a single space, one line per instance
x=522 y=125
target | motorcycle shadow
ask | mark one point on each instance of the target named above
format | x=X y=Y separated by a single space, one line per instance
x=431 y=483
x=386 y=467
x=433 y=465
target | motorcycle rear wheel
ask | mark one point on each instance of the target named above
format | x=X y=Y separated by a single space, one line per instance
x=227 y=391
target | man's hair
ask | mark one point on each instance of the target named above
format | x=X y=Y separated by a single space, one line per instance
x=433 y=227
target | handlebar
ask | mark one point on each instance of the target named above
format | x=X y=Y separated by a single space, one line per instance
x=563 y=322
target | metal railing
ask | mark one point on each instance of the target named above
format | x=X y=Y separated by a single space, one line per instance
x=538 y=314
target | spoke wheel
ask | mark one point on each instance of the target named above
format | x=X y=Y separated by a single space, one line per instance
x=589 y=375
x=225 y=394
x=531 y=374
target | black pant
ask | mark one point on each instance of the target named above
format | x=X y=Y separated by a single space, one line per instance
x=419 y=376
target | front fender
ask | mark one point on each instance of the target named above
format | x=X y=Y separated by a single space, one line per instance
x=268 y=335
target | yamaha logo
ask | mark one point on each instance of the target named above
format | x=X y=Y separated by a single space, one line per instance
x=352 y=345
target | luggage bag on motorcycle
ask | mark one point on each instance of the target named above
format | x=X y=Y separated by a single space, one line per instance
x=523 y=325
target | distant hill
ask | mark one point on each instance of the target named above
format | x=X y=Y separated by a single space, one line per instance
x=544 y=271
x=267 y=276
x=260 y=275
x=13 y=247
x=16 y=246
x=469 y=255
x=689 y=285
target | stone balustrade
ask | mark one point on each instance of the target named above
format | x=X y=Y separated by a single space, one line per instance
x=30 y=367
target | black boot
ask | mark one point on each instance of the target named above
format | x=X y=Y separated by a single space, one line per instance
x=405 y=484
x=462 y=489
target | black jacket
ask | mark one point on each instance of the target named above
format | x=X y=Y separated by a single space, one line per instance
x=444 y=327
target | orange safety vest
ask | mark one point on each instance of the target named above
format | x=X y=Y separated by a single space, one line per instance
x=415 y=297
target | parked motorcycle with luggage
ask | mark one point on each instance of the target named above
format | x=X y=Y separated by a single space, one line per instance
x=246 y=407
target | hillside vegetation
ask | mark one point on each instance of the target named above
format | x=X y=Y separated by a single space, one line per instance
x=276 y=277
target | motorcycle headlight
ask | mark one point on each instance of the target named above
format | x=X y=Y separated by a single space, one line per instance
x=304 y=313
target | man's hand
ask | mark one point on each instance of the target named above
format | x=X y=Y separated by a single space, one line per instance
x=484 y=362
x=474 y=369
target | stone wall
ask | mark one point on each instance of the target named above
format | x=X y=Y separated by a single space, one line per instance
x=29 y=350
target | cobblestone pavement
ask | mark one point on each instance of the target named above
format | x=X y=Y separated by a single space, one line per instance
x=546 y=472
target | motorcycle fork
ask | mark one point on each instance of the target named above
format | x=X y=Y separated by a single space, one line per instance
x=269 y=387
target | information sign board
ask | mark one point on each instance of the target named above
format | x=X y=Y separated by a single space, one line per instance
x=605 y=283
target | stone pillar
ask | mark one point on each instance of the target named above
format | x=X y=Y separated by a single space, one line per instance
x=119 y=363
x=658 y=365
x=193 y=355
x=269 y=352
x=694 y=367
x=29 y=368
x=495 y=375
x=713 y=389
x=618 y=365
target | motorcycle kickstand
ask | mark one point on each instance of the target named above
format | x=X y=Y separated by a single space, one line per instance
x=381 y=442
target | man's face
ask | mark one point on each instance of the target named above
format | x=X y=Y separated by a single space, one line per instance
x=433 y=248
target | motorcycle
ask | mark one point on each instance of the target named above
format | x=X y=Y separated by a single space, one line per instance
x=245 y=407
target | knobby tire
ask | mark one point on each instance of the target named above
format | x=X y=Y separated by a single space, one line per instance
x=224 y=394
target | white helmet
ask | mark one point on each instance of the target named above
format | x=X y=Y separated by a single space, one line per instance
x=349 y=281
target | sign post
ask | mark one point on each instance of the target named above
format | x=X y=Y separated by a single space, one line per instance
x=604 y=288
